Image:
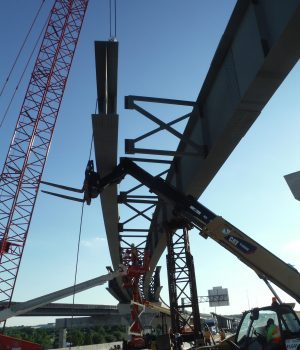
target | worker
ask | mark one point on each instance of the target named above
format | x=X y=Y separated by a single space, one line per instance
x=273 y=334
x=222 y=334
x=207 y=336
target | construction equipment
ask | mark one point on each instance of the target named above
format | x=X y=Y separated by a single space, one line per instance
x=137 y=266
x=10 y=343
x=25 y=161
x=187 y=209
x=22 y=308
x=252 y=330
x=158 y=308
x=268 y=266
x=131 y=276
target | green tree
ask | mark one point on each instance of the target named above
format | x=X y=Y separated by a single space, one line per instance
x=109 y=338
x=75 y=337
x=87 y=339
x=98 y=338
x=118 y=335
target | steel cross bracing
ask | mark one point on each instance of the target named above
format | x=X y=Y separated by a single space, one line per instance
x=197 y=149
x=25 y=161
x=134 y=229
x=130 y=148
x=137 y=234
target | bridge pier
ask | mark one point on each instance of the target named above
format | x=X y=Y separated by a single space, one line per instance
x=62 y=337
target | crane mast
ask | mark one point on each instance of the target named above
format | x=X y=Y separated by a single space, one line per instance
x=26 y=157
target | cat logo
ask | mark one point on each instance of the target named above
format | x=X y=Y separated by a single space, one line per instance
x=233 y=240
x=242 y=245
x=226 y=231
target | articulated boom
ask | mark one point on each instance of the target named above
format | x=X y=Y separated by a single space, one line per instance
x=264 y=263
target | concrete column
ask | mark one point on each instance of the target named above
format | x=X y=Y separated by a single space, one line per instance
x=62 y=337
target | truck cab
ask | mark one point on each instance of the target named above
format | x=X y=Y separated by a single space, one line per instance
x=252 y=330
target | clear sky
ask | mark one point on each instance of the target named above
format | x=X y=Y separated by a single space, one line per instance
x=165 y=49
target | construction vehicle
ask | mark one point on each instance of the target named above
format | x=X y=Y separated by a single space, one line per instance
x=252 y=329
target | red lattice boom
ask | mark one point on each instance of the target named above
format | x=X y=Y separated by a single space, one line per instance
x=25 y=161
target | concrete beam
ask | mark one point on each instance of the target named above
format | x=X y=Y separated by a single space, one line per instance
x=107 y=320
x=62 y=309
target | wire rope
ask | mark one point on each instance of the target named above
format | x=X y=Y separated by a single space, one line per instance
x=76 y=267
x=79 y=239
x=115 y=18
x=23 y=73
x=21 y=48
x=112 y=16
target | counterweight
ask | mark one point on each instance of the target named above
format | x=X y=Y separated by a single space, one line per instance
x=25 y=161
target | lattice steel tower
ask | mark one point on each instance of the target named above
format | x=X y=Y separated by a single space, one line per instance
x=25 y=161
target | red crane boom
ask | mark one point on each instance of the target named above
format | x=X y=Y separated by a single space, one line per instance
x=25 y=161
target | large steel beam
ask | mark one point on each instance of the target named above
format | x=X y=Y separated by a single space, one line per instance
x=105 y=133
x=27 y=306
x=258 y=49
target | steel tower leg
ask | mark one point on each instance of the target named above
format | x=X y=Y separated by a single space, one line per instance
x=182 y=284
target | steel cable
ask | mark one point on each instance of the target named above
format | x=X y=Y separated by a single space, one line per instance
x=23 y=73
x=21 y=48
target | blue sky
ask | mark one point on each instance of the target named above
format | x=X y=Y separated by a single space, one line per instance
x=165 y=49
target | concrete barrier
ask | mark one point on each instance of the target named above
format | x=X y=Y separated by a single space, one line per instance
x=104 y=346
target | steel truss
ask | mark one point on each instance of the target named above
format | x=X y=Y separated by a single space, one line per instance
x=130 y=148
x=25 y=161
x=185 y=319
x=181 y=276
x=141 y=206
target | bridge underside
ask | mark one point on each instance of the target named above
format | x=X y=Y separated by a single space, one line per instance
x=258 y=49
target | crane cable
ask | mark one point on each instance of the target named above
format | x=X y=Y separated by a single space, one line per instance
x=111 y=35
x=23 y=73
x=21 y=48
x=79 y=240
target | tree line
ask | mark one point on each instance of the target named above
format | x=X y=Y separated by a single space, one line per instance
x=48 y=337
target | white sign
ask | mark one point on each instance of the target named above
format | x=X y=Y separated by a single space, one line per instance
x=218 y=296
x=292 y=344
